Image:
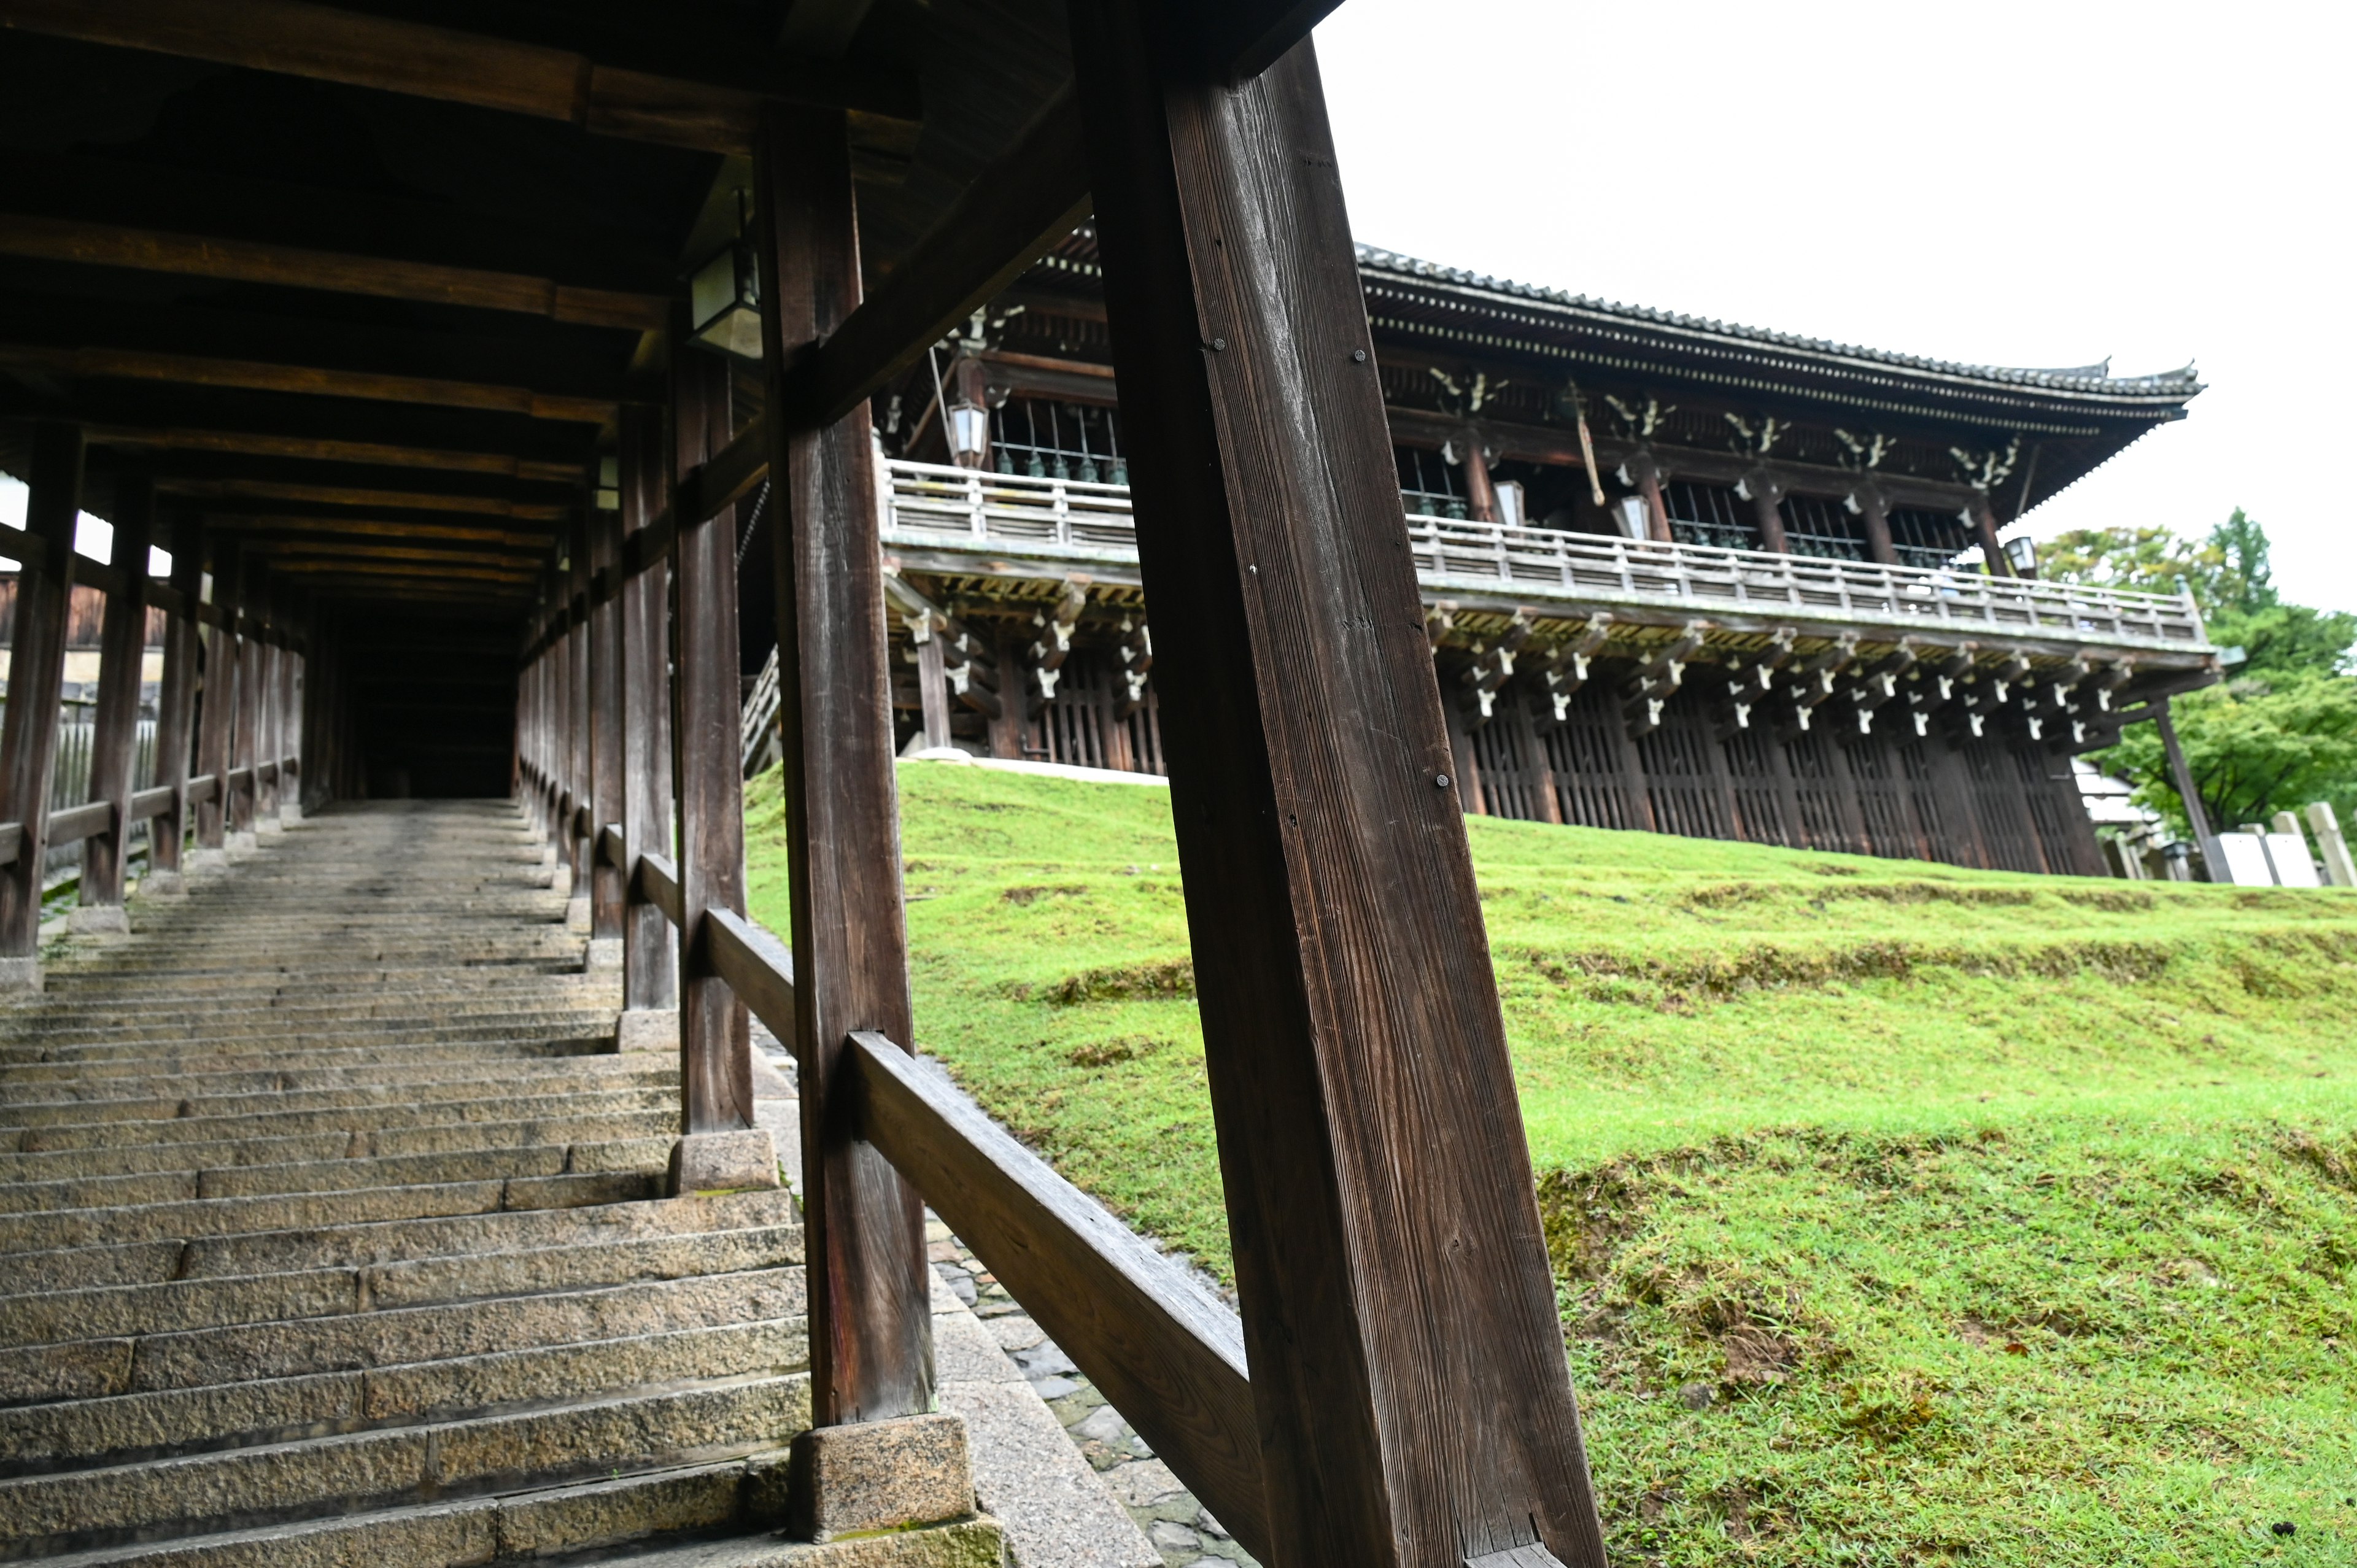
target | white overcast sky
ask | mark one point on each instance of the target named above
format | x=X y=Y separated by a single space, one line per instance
x=2002 y=183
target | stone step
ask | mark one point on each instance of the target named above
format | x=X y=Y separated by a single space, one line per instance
x=339 y=1475
x=129 y=1133
x=87 y=1433
x=299 y=1211
x=338 y=1174
x=386 y=1057
x=604 y=1072
x=587 y=1033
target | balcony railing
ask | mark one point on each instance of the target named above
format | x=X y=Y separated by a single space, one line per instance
x=933 y=506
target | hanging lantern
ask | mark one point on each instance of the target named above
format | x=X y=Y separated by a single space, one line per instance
x=723 y=300
x=969 y=435
x=2022 y=555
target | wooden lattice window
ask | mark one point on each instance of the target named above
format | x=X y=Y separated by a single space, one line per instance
x=1816 y=526
x=1051 y=440
x=1709 y=514
x=1926 y=538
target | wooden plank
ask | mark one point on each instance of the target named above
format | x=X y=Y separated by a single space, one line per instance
x=328 y=43
x=379 y=499
x=253 y=375
x=649 y=942
x=372 y=454
x=1235 y=40
x=715 y=1041
x=759 y=968
x=28 y=733
x=287 y=266
x=1007 y=217
x=870 y=1312
x=123 y=649
x=1408 y=1365
x=657 y=879
x=1168 y=1355
x=726 y=476
x=80 y=824
x=204 y=787
x=150 y=803
x=333 y=528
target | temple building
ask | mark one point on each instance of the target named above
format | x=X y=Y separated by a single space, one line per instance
x=1678 y=574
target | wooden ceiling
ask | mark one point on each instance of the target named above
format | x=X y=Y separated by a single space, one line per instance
x=366 y=286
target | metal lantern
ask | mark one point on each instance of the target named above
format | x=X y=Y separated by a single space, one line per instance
x=723 y=299
x=969 y=432
x=2022 y=555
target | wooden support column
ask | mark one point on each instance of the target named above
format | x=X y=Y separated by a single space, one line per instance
x=1767 y=510
x=2181 y=773
x=246 y=709
x=115 y=725
x=216 y=718
x=1983 y=522
x=176 y=703
x=1408 y=1365
x=1874 y=511
x=579 y=849
x=722 y=1147
x=36 y=667
x=268 y=657
x=933 y=688
x=291 y=667
x=650 y=956
x=604 y=645
x=1646 y=474
x=1480 y=495
x=871 y=1326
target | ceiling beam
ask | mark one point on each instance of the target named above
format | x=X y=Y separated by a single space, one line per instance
x=371 y=454
x=286 y=266
x=516 y=575
x=339 y=495
x=325 y=43
x=281 y=550
x=197 y=369
x=536 y=544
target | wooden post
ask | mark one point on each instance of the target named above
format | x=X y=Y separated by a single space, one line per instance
x=1480 y=495
x=1767 y=510
x=268 y=656
x=721 y=1146
x=1408 y=1365
x=579 y=849
x=36 y=667
x=1874 y=511
x=933 y=688
x=245 y=708
x=1642 y=467
x=604 y=781
x=650 y=958
x=1985 y=530
x=871 y=1328
x=219 y=709
x=176 y=703
x=291 y=687
x=115 y=725
x=2181 y=773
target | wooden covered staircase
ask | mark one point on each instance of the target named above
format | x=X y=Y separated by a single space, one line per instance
x=332 y=1231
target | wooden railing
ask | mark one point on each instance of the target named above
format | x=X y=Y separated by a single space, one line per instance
x=74 y=823
x=933 y=506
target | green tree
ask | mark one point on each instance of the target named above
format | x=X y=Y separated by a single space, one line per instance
x=2234 y=576
x=2149 y=560
x=2255 y=746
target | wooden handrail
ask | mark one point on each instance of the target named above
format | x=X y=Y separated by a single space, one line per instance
x=612 y=849
x=1168 y=1355
x=657 y=880
x=147 y=803
x=241 y=778
x=76 y=823
x=757 y=968
x=202 y=788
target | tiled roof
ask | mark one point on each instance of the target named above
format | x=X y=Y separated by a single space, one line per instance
x=2172 y=385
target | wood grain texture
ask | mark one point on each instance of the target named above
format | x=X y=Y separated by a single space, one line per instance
x=871 y=1321
x=657 y=880
x=714 y=1040
x=608 y=888
x=123 y=649
x=29 y=732
x=374 y=454
x=377 y=500
x=150 y=803
x=1165 y=1352
x=1007 y=217
x=1407 y=1365
x=253 y=375
x=650 y=940
x=12 y=842
x=728 y=475
x=758 y=968
x=287 y=266
x=80 y=824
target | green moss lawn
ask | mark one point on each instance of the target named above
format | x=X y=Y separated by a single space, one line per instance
x=1900 y=1214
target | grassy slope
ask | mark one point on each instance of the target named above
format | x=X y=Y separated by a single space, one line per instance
x=1989 y=1218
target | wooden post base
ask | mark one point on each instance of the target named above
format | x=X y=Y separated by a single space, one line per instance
x=20 y=974
x=739 y=1161
x=876 y=1475
x=647 y=1029
x=163 y=884
x=98 y=920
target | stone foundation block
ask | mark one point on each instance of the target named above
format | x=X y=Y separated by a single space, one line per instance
x=647 y=1029
x=25 y=974
x=236 y=845
x=604 y=953
x=163 y=885
x=706 y=1162
x=872 y=1476
x=577 y=912
x=98 y=920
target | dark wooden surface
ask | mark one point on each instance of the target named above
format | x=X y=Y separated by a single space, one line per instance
x=1409 y=1371
x=871 y=1324
x=758 y=968
x=28 y=733
x=656 y=879
x=155 y=803
x=83 y=824
x=122 y=648
x=245 y=694
x=650 y=945
x=715 y=1041
x=1167 y=1353
x=607 y=890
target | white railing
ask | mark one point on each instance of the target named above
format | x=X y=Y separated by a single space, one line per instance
x=939 y=506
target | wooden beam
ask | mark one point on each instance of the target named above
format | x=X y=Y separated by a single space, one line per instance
x=197 y=370
x=176 y=697
x=650 y=949
x=1408 y=1371
x=283 y=549
x=1014 y=210
x=344 y=495
x=327 y=43
x=328 y=527
x=29 y=732
x=1237 y=39
x=1169 y=1356
x=114 y=722
x=287 y=266
x=255 y=443
x=361 y=568
x=868 y=1283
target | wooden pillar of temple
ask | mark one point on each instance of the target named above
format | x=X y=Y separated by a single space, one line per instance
x=268 y=655
x=605 y=773
x=871 y=1335
x=1480 y=495
x=1408 y=1363
x=218 y=709
x=1873 y=509
x=36 y=663
x=114 y=723
x=175 y=706
x=1646 y=474
x=291 y=664
x=577 y=840
x=1767 y=498
x=1984 y=522
x=245 y=705
x=2181 y=773
x=721 y=1146
x=650 y=956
